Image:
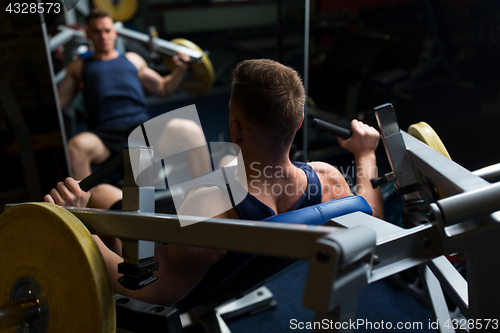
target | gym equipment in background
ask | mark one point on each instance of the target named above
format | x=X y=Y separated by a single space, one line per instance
x=427 y=135
x=201 y=77
x=120 y=10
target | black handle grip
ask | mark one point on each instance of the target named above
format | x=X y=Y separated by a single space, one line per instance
x=103 y=172
x=376 y=182
x=322 y=125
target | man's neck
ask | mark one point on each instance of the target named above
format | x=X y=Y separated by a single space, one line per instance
x=105 y=55
x=269 y=167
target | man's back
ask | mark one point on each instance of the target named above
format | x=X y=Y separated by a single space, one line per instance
x=289 y=191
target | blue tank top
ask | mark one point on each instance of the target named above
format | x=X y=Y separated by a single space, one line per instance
x=113 y=94
x=251 y=208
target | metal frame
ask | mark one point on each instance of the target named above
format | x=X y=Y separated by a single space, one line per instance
x=305 y=141
x=466 y=221
x=343 y=261
x=335 y=255
x=64 y=36
x=490 y=172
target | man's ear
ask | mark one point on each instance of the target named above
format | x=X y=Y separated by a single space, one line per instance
x=301 y=121
x=115 y=32
x=236 y=132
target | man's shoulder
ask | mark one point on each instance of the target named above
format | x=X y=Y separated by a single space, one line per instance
x=209 y=201
x=206 y=195
x=332 y=181
x=135 y=59
x=204 y=190
x=327 y=173
x=324 y=169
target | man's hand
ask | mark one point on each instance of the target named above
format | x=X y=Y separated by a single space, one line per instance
x=181 y=61
x=364 y=139
x=68 y=193
x=362 y=144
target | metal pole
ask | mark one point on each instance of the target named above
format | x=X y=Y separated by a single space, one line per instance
x=279 y=32
x=56 y=98
x=70 y=16
x=138 y=195
x=489 y=172
x=306 y=75
x=15 y=313
x=470 y=205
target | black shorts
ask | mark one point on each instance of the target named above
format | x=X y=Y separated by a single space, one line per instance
x=115 y=139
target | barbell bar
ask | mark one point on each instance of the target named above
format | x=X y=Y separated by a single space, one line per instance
x=161 y=45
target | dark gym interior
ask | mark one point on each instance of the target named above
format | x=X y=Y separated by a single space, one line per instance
x=435 y=60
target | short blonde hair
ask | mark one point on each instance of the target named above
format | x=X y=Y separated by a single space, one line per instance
x=97 y=13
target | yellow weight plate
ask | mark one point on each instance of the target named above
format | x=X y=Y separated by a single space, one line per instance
x=48 y=244
x=202 y=77
x=120 y=10
x=427 y=135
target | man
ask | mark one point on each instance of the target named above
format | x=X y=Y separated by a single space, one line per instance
x=112 y=85
x=265 y=111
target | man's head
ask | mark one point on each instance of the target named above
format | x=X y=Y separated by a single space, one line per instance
x=100 y=30
x=269 y=96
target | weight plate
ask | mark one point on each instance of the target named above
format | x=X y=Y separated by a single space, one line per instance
x=202 y=75
x=120 y=10
x=424 y=132
x=45 y=243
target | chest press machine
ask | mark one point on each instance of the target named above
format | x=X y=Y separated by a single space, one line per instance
x=351 y=250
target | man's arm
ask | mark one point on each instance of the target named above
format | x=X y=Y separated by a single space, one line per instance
x=333 y=183
x=153 y=82
x=363 y=143
x=181 y=267
x=68 y=87
x=366 y=168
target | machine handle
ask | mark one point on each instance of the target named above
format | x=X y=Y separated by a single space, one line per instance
x=322 y=125
x=103 y=172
